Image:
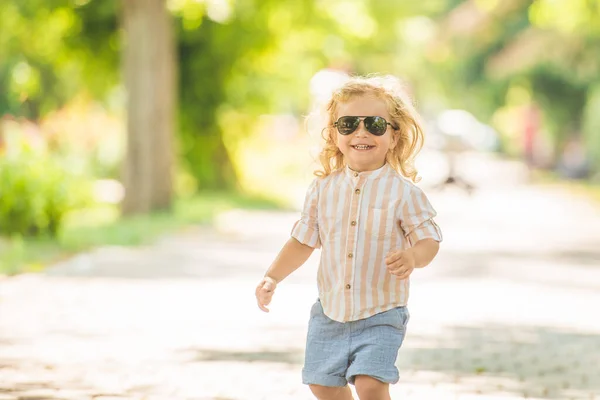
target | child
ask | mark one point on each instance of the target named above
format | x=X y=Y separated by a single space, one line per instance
x=374 y=227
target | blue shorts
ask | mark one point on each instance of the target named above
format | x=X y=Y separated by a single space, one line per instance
x=337 y=352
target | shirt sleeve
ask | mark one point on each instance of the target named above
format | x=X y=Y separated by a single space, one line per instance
x=416 y=217
x=306 y=230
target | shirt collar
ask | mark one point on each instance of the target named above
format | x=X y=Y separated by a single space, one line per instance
x=367 y=174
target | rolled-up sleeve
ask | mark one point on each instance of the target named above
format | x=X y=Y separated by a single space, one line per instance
x=306 y=230
x=416 y=217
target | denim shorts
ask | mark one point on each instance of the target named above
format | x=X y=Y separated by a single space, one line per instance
x=336 y=352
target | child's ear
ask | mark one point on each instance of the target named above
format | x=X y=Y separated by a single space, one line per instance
x=394 y=139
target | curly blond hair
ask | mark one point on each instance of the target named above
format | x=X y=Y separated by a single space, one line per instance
x=403 y=115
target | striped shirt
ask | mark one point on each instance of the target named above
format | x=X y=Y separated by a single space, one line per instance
x=356 y=218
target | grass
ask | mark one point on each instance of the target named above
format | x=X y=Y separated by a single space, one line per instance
x=101 y=226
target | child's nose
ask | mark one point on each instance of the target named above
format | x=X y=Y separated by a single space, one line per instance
x=361 y=130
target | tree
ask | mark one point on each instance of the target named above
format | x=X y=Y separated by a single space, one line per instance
x=545 y=49
x=148 y=61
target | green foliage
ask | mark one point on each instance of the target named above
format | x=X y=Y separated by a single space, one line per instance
x=561 y=99
x=256 y=57
x=35 y=194
x=100 y=225
x=466 y=69
x=96 y=49
x=39 y=74
x=591 y=126
x=548 y=47
x=236 y=64
x=580 y=17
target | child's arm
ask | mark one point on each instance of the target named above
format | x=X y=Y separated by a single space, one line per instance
x=421 y=232
x=424 y=252
x=290 y=258
x=402 y=263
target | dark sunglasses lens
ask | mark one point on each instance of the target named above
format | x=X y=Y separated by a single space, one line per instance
x=347 y=125
x=376 y=125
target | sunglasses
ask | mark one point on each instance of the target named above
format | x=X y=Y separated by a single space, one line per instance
x=375 y=125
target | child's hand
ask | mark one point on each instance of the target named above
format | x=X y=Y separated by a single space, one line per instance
x=264 y=292
x=400 y=263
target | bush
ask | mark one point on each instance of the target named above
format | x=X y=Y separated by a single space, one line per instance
x=591 y=127
x=36 y=192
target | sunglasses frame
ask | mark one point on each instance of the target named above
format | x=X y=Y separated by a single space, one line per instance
x=362 y=118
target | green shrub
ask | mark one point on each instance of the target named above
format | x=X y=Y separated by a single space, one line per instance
x=591 y=127
x=36 y=192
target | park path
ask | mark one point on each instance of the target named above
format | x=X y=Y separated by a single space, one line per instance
x=509 y=309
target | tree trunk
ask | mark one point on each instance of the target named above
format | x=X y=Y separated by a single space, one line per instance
x=148 y=63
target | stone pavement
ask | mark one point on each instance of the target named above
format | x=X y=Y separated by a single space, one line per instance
x=509 y=310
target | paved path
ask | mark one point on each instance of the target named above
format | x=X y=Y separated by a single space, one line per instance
x=509 y=310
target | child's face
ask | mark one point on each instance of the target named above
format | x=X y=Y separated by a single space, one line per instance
x=373 y=157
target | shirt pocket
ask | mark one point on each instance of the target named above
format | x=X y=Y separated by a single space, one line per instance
x=382 y=224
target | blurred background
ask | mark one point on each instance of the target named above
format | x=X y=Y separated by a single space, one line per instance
x=154 y=155
x=219 y=89
x=113 y=111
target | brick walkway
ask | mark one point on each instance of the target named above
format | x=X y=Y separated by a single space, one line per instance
x=509 y=310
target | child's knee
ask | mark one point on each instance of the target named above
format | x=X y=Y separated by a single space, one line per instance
x=369 y=388
x=325 y=392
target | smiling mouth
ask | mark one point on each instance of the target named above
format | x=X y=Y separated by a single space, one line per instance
x=362 y=147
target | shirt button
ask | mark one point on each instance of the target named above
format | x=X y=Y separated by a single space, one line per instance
x=357 y=191
x=356 y=174
x=350 y=255
x=348 y=286
x=353 y=223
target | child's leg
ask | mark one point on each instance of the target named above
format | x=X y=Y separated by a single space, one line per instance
x=369 y=388
x=375 y=344
x=331 y=393
x=326 y=356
